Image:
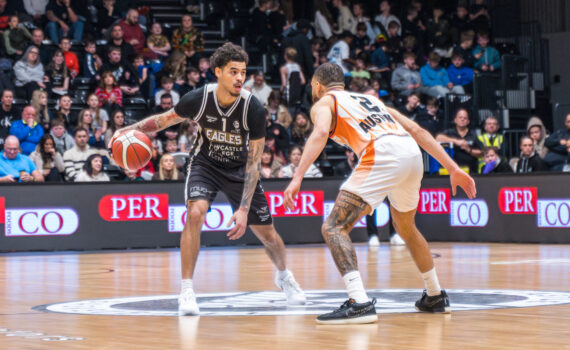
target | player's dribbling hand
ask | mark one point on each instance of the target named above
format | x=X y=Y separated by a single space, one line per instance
x=291 y=193
x=462 y=179
x=240 y=219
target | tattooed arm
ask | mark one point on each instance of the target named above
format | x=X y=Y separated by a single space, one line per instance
x=252 y=169
x=153 y=123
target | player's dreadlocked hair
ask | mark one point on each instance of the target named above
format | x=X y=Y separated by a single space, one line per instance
x=329 y=74
x=226 y=53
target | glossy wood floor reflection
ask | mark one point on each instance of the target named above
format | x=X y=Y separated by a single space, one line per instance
x=29 y=280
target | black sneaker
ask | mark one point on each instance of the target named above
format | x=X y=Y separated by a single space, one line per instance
x=435 y=304
x=351 y=312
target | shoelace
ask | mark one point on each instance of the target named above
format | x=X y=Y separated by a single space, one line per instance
x=344 y=305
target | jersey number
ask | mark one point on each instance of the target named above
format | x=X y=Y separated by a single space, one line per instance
x=224 y=124
x=366 y=103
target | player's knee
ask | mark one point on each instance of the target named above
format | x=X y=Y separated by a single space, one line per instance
x=195 y=213
x=328 y=229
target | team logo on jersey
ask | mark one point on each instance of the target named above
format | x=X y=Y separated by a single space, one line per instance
x=272 y=303
x=223 y=137
x=211 y=119
x=236 y=124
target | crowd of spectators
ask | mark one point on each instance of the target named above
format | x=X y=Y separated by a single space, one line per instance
x=410 y=56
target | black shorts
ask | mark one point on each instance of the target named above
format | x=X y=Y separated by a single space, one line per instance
x=204 y=181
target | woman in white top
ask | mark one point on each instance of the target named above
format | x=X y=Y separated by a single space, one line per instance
x=323 y=20
x=385 y=17
x=290 y=93
x=93 y=170
x=295 y=153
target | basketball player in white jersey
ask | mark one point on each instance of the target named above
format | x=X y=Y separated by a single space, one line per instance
x=390 y=165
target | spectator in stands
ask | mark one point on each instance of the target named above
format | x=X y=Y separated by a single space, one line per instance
x=436 y=80
x=340 y=51
x=117 y=40
x=438 y=32
x=366 y=28
x=57 y=75
x=175 y=67
x=537 y=132
x=410 y=44
x=143 y=78
x=292 y=79
x=116 y=65
x=37 y=10
x=393 y=45
x=491 y=136
x=132 y=175
x=268 y=168
x=4 y=15
x=167 y=85
x=16 y=37
x=40 y=103
x=16 y=167
x=45 y=51
x=385 y=17
x=188 y=40
x=277 y=110
x=298 y=40
x=259 y=28
x=529 y=161
x=467 y=148
x=71 y=60
x=279 y=132
x=323 y=21
x=171 y=146
x=75 y=158
x=8 y=114
x=165 y=104
x=294 y=159
x=63 y=141
x=345 y=21
x=47 y=160
x=167 y=169
x=459 y=22
x=109 y=94
x=63 y=21
x=379 y=60
x=29 y=73
x=259 y=87
x=343 y=169
x=92 y=170
x=494 y=164
x=412 y=24
x=412 y=106
x=432 y=118
x=206 y=74
x=278 y=155
x=91 y=61
x=95 y=132
x=157 y=43
x=107 y=14
x=116 y=122
x=65 y=114
x=300 y=128
x=27 y=130
x=359 y=70
x=486 y=57
x=188 y=134
x=557 y=144
x=479 y=16
x=458 y=74
x=170 y=133
x=100 y=115
x=406 y=79
x=132 y=31
x=465 y=48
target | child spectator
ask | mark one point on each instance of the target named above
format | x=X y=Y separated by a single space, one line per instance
x=91 y=61
x=459 y=22
x=412 y=106
x=361 y=42
x=494 y=163
x=465 y=48
x=458 y=74
x=432 y=118
x=529 y=161
x=16 y=37
x=170 y=133
x=109 y=94
x=57 y=75
x=92 y=170
x=537 y=132
x=192 y=81
x=63 y=141
x=95 y=133
x=171 y=146
x=48 y=161
x=143 y=77
x=158 y=44
x=40 y=104
x=438 y=32
x=206 y=75
x=27 y=130
x=71 y=60
x=65 y=114
x=292 y=78
x=167 y=85
x=116 y=122
x=486 y=57
x=167 y=169
x=294 y=160
x=300 y=128
x=100 y=116
x=436 y=80
x=359 y=70
x=406 y=79
x=188 y=134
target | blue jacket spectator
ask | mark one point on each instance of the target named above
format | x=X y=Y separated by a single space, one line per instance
x=487 y=58
x=16 y=167
x=29 y=137
x=558 y=144
x=434 y=77
x=458 y=74
x=379 y=58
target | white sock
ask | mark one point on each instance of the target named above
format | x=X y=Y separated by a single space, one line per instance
x=187 y=284
x=431 y=282
x=354 y=287
x=282 y=274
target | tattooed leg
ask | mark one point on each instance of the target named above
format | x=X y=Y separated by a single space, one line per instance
x=348 y=209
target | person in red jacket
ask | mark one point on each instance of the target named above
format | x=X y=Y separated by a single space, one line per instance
x=71 y=60
x=133 y=33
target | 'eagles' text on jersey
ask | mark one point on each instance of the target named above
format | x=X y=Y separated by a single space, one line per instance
x=223 y=133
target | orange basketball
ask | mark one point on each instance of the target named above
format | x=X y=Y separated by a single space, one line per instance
x=132 y=150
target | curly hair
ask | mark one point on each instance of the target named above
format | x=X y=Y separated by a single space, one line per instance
x=329 y=74
x=226 y=53
x=88 y=167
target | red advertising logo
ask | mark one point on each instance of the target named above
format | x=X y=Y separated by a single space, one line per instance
x=134 y=207
x=434 y=201
x=308 y=203
x=2 y=208
x=518 y=200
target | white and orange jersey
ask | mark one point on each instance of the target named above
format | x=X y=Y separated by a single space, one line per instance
x=361 y=120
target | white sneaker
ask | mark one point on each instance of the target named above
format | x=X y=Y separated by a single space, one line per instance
x=187 y=304
x=374 y=241
x=290 y=287
x=397 y=240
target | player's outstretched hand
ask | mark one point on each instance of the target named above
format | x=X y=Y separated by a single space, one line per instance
x=463 y=180
x=291 y=193
x=240 y=219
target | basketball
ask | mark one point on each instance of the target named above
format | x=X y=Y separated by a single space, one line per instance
x=132 y=150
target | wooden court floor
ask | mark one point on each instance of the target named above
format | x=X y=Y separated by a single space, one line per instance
x=29 y=280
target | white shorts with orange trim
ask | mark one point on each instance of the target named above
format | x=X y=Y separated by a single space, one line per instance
x=390 y=167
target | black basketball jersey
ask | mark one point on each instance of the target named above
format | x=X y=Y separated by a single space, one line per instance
x=223 y=133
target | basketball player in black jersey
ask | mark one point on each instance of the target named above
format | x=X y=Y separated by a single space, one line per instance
x=225 y=157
